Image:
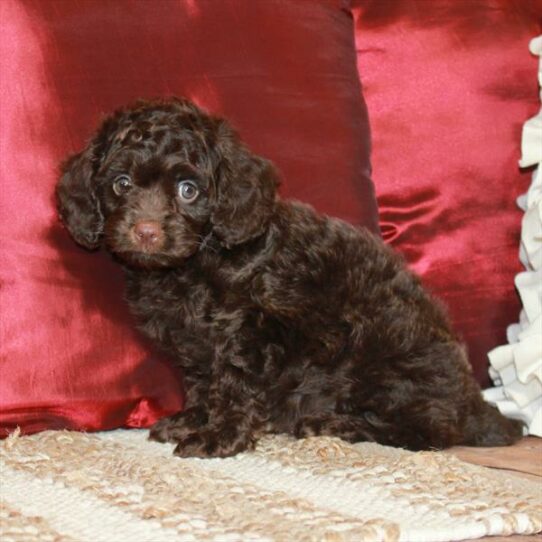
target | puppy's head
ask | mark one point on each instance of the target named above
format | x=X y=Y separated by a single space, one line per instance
x=159 y=177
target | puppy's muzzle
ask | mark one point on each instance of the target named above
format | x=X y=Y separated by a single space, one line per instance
x=148 y=235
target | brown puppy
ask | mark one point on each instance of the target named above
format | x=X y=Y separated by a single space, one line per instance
x=281 y=319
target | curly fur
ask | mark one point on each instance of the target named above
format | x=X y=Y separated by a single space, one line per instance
x=281 y=319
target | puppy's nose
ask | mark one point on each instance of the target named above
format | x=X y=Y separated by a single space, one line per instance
x=148 y=232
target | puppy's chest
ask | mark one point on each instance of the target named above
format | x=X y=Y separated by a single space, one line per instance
x=169 y=298
x=172 y=308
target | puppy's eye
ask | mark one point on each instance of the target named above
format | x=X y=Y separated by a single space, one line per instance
x=122 y=184
x=188 y=191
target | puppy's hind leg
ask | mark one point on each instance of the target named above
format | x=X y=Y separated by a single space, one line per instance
x=486 y=426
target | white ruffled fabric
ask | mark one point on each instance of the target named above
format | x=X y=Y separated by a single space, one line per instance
x=516 y=368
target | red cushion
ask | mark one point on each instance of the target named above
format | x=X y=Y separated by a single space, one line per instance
x=283 y=70
x=448 y=85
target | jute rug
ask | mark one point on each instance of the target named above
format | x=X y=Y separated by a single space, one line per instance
x=117 y=486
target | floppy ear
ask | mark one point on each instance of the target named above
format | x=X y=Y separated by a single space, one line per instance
x=244 y=191
x=77 y=203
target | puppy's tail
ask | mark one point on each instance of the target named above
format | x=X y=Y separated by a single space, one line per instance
x=486 y=426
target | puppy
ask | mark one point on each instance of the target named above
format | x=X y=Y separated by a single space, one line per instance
x=282 y=320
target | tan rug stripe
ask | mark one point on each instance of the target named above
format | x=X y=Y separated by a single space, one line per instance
x=18 y=527
x=180 y=494
x=338 y=518
x=432 y=496
x=77 y=514
x=446 y=476
x=347 y=498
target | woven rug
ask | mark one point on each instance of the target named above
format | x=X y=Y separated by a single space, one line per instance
x=118 y=486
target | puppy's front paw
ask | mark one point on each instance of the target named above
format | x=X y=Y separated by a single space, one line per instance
x=213 y=443
x=179 y=426
x=308 y=426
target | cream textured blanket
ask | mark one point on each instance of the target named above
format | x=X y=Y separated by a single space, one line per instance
x=117 y=486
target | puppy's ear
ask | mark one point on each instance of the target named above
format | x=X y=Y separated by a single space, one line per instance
x=77 y=203
x=245 y=188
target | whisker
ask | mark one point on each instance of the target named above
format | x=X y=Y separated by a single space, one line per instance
x=204 y=243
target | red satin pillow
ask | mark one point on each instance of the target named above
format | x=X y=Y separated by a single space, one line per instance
x=284 y=71
x=448 y=85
